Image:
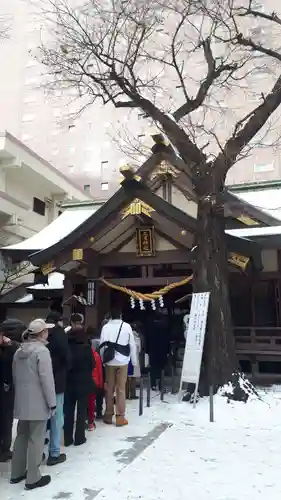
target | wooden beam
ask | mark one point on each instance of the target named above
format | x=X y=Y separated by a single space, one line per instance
x=82 y=236
x=172 y=232
x=130 y=259
x=119 y=242
x=162 y=207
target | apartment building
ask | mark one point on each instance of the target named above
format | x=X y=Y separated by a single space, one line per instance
x=82 y=148
x=31 y=191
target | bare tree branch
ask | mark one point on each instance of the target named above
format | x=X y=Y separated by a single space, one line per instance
x=253 y=122
x=129 y=55
x=11 y=275
x=212 y=74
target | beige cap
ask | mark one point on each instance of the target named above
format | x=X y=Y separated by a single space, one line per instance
x=37 y=326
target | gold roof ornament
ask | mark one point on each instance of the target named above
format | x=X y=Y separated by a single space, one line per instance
x=238 y=260
x=164 y=169
x=137 y=207
x=77 y=254
x=48 y=268
x=248 y=221
x=128 y=172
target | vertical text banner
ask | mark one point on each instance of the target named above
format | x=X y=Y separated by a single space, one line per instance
x=195 y=338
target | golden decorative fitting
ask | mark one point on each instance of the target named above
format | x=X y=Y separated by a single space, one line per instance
x=126 y=168
x=164 y=169
x=77 y=254
x=183 y=232
x=238 y=260
x=48 y=268
x=248 y=221
x=137 y=207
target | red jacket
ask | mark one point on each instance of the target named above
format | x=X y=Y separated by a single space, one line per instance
x=97 y=371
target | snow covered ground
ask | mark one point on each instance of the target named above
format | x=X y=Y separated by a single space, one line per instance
x=173 y=452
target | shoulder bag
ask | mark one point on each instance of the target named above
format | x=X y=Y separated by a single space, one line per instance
x=110 y=348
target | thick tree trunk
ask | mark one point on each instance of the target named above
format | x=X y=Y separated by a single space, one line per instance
x=211 y=274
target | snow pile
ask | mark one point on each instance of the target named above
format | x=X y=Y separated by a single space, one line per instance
x=239 y=388
x=235 y=458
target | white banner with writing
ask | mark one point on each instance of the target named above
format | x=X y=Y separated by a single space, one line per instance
x=195 y=338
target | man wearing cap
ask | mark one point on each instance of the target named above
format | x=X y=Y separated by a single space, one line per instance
x=60 y=355
x=35 y=403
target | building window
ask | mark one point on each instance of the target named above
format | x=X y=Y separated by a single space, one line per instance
x=263 y=167
x=87 y=188
x=39 y=206
x=26 y=137
x=31 y=81
x=104 y=166
x=104 y=186
x=28 y=118
x=29 y=99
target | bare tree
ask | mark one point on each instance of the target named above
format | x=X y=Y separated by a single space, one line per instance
x=11 y=275
x=4 y=28
x=185 y=64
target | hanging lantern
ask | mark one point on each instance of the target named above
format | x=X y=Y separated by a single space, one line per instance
x=161 y=301
x=133 y=303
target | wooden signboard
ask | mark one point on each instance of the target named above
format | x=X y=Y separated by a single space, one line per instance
x=145 y=242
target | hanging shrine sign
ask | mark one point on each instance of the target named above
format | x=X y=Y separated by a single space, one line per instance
x=145 y=242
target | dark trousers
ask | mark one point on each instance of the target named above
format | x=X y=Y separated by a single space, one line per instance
x=99 y=402
x=6 y=420
x=155 y=375
x=72 y=401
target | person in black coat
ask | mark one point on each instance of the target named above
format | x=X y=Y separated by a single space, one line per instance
x=79 y=385
x=10 y=332
x=158 y=349
x=60 y=355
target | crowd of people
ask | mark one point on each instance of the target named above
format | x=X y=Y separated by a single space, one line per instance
x=53 y=382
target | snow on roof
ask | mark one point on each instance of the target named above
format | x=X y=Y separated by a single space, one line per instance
x=55 y=283
x=249 y=232
x=268 y=200
x=25 y=299
x=67 y=222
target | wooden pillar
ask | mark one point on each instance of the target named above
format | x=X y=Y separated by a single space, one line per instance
x=67 y=293
x=278 y=288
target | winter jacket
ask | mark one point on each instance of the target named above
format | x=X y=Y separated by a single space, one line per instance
x=7 y=352
x=35 y=393
x=79 y=377
x=158 y=342
x=97 y=372
x=60 y=355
